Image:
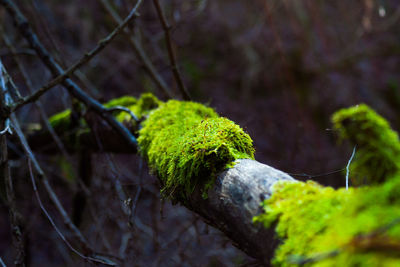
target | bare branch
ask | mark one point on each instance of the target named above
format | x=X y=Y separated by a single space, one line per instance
x=38 y=104
x=108 y=262
x=15 y=220
x=83 y=60
x=171 y=54
x=45 y=181
x=141 y=53
x=125 y=109
x=25 y=29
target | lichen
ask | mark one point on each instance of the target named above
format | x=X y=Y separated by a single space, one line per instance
x=378 y=147
x=187 y=144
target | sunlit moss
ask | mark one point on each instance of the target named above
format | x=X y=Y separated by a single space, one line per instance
x=377 y=145
x=187 y=143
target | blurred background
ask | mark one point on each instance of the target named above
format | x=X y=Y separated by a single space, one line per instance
x=277 y=68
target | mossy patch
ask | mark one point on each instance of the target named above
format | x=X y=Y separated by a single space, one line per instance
x=378 y=147
x=124 y=101
x=187 y=144
x=61 y=120
x=140 y=107
x=321 y=226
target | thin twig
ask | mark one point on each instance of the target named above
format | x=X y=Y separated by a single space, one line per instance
x=117 y=183
x=15 y=221
x=125 y=109
x=38 y=103
x=25 y=29
x=108 y=262
x=171 y=54
x=141 y=53
x=137 y=195
x=7 y=128
x=6 y=99
x=347 y=168
x=315 y=175
x=83 y=60
x=2 y=263
x=46 y=183
x=54 y=198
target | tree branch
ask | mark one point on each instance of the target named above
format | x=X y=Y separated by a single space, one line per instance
x=148 y=66
x=171 y=54
x=15 y=220
x=83 y=60
x=60 y=234
x=26 y=31
x=233 y=202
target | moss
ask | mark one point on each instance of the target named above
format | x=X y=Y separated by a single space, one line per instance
x=378 y=146
x=61 y=120
x=320 y=226
x=140 y=107
x=124 y=101
x=303 y=211
x=187 y=144
x=327 y=227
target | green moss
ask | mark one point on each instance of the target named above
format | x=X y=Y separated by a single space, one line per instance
x=187 y=144
x=61 y=120
x=140 y=107
x=124 y=101
x=303 y=211
x=378 y=146
x=327 y=227
x=321 y=226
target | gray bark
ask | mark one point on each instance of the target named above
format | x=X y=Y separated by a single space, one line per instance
x=233 y=202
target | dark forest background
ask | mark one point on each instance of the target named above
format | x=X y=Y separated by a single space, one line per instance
x=279 y=68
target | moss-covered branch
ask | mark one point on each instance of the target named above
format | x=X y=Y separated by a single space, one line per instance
x=187 y=144
x=206 y=163
x=320 y=226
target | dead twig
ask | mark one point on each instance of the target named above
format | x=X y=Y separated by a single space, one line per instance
x=83 y=60
x=141 y=53
x=60 y=234
x=38 y=104
x=15 y=217
x=2 y=263
x=171 y=54
x=125 y=109
x=25 y=29
x=46 y=183
x=56 y=201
